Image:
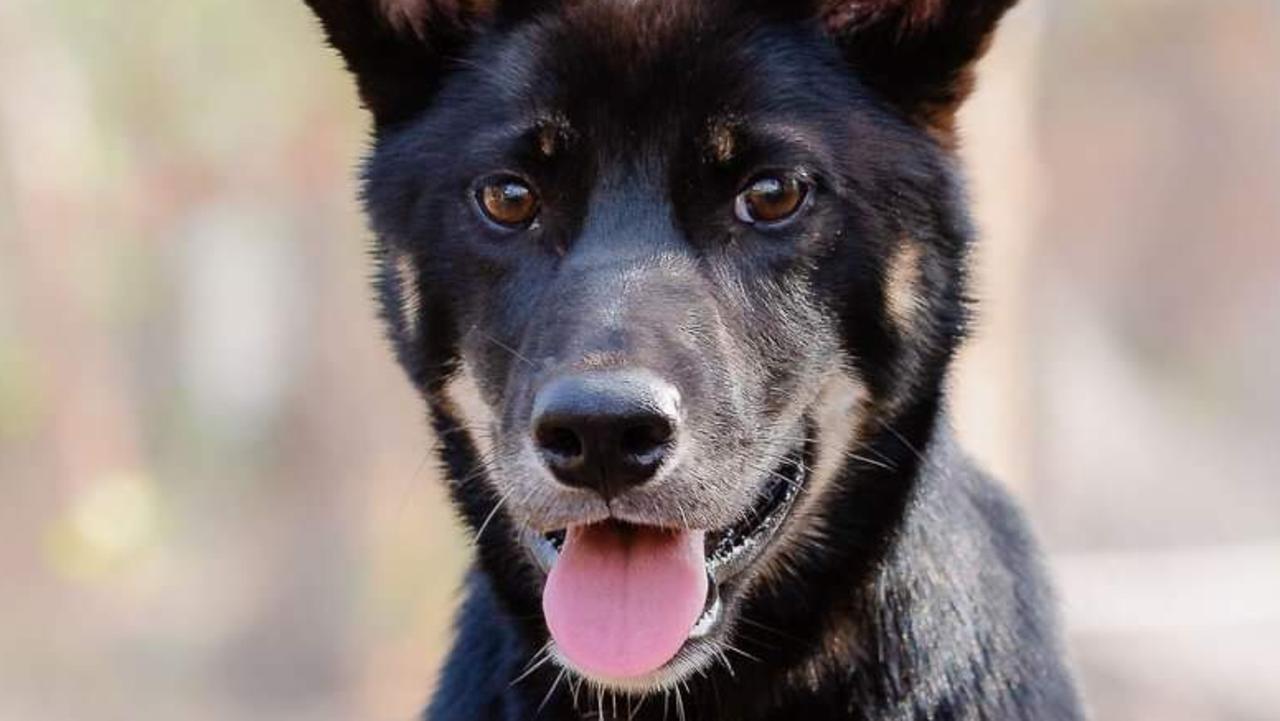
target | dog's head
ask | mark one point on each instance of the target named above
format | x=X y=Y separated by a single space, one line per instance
x=664 y=271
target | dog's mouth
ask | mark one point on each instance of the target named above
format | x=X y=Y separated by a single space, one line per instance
x=623 y=600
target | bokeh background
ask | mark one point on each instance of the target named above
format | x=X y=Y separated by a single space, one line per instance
x=217 y=496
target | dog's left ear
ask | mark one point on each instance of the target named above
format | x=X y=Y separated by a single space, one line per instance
x=918 y=54
x=398 y=50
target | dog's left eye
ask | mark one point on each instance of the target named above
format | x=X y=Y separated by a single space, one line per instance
x=507 y=201
x=771 y=199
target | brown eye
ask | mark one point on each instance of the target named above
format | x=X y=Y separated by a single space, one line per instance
x=507 y=201
x=771 y=199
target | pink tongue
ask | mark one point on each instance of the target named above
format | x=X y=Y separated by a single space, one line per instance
x=621 y=600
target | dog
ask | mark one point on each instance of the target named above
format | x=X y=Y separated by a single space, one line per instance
x=680 y=282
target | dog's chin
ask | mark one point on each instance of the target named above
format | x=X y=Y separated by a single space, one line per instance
x=731 y=557
x=696 y=655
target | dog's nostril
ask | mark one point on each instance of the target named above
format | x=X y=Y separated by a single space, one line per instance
x=641 y=440
x=560 y=441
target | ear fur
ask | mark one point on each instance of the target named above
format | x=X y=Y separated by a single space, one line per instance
x=919 y=54
x=397 y=48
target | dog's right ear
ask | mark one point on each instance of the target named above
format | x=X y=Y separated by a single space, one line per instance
x=398 y=49
x=918 y=54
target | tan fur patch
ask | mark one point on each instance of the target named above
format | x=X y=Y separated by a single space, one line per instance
x=721 y=141
x=407 y=281
x=912 y=14
x=553 y=131
x=415 y=15
x=464 y=402
x=903 y=277
x=405 y=15
x=547 y=140
x=838 y=416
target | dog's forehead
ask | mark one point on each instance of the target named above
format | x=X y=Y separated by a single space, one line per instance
x=653 y=68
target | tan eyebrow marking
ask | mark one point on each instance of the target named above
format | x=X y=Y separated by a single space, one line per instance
x=722 y=139
x=552 y=132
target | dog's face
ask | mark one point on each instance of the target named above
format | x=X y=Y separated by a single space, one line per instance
x=660 y=268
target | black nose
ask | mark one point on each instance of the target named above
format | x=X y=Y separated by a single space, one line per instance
x=606 y=430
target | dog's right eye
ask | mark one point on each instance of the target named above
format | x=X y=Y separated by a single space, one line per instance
x=507 y=201
x=771 y=200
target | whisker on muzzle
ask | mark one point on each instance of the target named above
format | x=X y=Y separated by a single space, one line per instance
x=475 y=328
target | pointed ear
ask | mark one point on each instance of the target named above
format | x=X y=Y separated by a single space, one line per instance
x=919 y=54
x=398 y=49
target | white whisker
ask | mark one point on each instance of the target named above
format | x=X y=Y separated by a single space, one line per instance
x=550 y=692
x=539 y=659
x=493 y=512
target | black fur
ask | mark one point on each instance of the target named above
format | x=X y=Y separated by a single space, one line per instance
x=906 y=586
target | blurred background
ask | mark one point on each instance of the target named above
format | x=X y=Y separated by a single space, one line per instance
x=218 y=499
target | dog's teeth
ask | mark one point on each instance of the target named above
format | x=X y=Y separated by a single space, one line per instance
x=555 y=538
x=545 y=551
x=709 y=617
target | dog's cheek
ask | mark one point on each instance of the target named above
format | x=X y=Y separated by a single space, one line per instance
x=838 y=418
x=838 y=425
x=467 y=405
x=923 y=325
x=399 y=296
x=498 y=460
x=902 y=287
x=801 y=352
